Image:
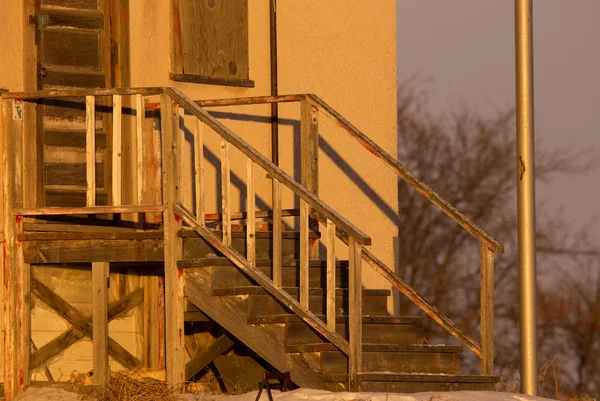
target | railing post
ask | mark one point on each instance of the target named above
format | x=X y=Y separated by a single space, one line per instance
x=309 y=166
x=199 y=171
x=355 y=313
x=486 y=266
x=172 y=244
x=140 y=112
x=277 y=250
x=226 y=192
x=16 y=314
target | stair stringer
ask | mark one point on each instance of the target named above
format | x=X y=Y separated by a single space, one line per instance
x=267 y=340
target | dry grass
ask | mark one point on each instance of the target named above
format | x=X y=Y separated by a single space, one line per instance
x=123 y=386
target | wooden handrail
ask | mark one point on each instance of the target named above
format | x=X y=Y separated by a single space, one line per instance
x=55 y=94
x=411 y=294
x=249 y=100
x=268 y=166
x=407 y=176
x=265 y=282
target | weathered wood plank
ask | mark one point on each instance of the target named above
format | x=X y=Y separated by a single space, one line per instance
x=199 y=170
x=304 y=253
x=251 y=220
x=255 y=274
x=90 y=152
x=174 y=300
x=63 y=93
x=309 y=165
x=78 y=320
x=148 y=250
x=355 y=313
x=54 y=211
x=206 y=356
x=331 y=270
x=277 y=240
x=249 y=100
x=276 y=172
x=140 y=111
x=226 y=192
x=72 y=335
x=100 y=322
x=11 y=130
x=486 y=265
x=117 y=151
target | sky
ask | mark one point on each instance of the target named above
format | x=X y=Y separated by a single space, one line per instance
x=466 y=49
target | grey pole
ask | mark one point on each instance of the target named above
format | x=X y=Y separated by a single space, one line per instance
x=526 y=193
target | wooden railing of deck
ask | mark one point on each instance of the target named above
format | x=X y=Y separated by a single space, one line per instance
x=19 y=183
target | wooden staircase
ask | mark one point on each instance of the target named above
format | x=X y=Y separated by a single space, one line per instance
x=269 y=290
x=396 y=357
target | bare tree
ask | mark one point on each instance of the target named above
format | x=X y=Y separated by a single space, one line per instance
x=470 y=160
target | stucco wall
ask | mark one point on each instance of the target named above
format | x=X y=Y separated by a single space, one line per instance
x=344 y=51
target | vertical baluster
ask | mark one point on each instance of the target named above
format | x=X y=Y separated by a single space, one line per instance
x=139 y=135
x=180 y=136
x=309 y=168
x=199 y=167
x=486 y=264
x=355 y=312
x=225 y=192
x=251 y=220
x=331 y=275
x=117 y=151
x=304 y=252
x=277 y=251
x=90 y=149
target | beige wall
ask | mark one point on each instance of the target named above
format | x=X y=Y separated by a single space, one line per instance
x=344 y=51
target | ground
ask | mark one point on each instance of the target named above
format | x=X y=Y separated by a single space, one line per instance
x=54 y=394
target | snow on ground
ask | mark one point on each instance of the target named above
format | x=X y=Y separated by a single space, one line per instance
x=56 y=394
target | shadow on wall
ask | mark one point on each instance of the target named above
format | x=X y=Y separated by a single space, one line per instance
x=324 y=146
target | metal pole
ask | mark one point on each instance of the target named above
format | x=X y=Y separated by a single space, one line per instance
x=526 y=193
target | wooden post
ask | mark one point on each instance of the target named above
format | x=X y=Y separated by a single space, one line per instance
x=486 y=265
x=174 y=299
x=355 y=313
x=16 y=273
x=251 y=220
x=90 y=149
x=277 y=243
x=309 y=166
x=140 y=112
x=330 y=303
x=117 y=151
x=100 y=322
x=226 y=192
x=199 y=167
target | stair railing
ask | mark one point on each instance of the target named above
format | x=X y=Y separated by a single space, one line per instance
x=488 y=245
x=334 y=222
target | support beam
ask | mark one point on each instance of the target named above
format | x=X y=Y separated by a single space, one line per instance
x=174 y=300
x=100 y=322
x=206 y=356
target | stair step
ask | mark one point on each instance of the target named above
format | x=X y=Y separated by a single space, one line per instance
x=195 y=246
x=377 y=348
x=396 y=358
x=417 y=382
x=262 y=303
x=225 y=275
x=375 y=329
